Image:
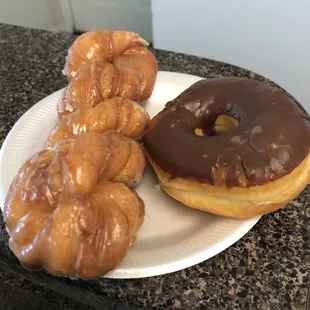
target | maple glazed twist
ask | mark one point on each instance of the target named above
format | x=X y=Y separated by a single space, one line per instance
x=103 y=64
x=69 y=211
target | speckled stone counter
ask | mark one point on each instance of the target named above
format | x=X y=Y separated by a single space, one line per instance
x=266 y=269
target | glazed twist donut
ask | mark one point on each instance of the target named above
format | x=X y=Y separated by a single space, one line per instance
x=63 y=212
x=232 y=147
x=103 y=64
x=123 y=115
x=99 y=46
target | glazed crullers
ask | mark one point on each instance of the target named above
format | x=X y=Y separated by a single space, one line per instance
x=69 y=211
x=103 y=64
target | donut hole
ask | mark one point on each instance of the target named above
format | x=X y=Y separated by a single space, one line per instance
x=199 y=132
x=223 y=123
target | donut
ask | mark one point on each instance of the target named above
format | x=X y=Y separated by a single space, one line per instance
x=70 y=211
x=232 y=147
x=99 y=46
x=103 y=64
x=123 y=115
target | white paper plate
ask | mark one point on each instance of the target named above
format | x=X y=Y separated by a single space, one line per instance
x=173 y=237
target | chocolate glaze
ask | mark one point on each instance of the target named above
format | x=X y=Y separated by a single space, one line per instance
x=272 y=139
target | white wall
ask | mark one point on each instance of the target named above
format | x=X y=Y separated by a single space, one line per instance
x=41 y=14
x=271 y=38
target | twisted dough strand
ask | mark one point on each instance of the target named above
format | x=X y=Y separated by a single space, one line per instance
x=123 y=115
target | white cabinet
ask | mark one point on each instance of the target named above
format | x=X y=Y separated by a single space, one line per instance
x=131 y=15
x=42 y=14
x=80 y=15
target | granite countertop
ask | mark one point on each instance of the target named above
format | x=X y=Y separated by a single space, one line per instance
x=266 y=269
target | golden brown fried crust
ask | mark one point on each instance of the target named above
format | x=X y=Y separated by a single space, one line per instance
x=238 y=202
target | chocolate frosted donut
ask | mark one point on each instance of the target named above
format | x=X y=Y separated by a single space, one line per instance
x=225 y=135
